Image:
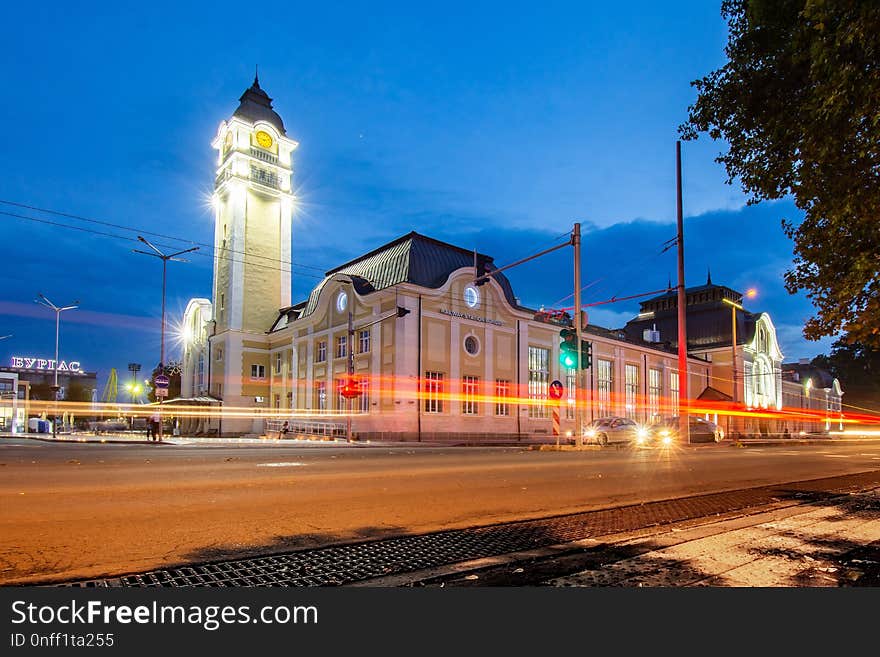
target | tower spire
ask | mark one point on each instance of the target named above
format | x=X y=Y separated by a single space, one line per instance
x=708 y=276
x=256 y=75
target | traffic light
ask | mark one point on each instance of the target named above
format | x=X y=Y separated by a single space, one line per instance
x=351 y=388
x=568 y=348
x=586 y=354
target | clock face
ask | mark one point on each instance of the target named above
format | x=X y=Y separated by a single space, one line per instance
x=471 y=296
x=264 y=139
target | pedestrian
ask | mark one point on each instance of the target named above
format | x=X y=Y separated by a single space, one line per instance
x=154 y=426
x=284 y=429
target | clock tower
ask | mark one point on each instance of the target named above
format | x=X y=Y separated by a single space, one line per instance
x=253 y=204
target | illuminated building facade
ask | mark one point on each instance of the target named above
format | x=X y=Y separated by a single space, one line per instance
x=435 y=356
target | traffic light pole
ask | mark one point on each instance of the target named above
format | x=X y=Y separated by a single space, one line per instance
x=579 y=378
x=350 y=369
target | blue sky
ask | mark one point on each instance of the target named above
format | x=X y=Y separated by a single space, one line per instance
x=489 y=125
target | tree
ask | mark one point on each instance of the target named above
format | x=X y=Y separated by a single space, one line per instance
x=857 y=366
x=798 y=102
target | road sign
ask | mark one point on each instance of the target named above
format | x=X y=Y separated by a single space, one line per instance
x=161 y=392
x=161 y=381
x=556 y=390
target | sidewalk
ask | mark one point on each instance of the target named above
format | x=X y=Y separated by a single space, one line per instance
x=831 y=543
x=834 y=542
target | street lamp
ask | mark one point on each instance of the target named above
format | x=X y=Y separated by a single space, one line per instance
x=43 y=301
x=165 y=258
x=733 y=308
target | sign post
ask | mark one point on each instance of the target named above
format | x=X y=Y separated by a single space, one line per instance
x=161 y=386
x=555 y=393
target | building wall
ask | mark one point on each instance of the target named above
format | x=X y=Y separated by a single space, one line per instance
x=430 y=341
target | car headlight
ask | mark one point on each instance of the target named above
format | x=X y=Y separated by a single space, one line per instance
x=642 y=433
x=591 y=433
x=667 y=439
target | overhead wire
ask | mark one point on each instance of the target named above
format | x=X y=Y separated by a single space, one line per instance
x=141 y=231
x=214 y=255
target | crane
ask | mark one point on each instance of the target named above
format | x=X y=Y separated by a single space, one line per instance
x=110 y=388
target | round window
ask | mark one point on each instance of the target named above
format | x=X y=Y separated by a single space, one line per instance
x=342 y=302
x=472 y=345
x=471 y=296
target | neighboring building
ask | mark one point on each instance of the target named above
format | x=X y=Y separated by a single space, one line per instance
x=14 y=398
x=436 y=356
x=755 y=378
x=815 y=389
x=75 y=383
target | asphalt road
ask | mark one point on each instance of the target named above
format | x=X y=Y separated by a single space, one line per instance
x=87 y=510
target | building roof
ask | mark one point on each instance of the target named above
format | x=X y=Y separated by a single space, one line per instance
x=708 y=318
x=411 y=258
x=257 y=106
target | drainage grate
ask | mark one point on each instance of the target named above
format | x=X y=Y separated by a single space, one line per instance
x=335 y=566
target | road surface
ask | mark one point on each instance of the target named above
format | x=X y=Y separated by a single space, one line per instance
x=74 y=511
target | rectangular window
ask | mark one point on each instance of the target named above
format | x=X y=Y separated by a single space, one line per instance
x=363 y=402
x=258 y=372
x=539 y=381
x=364 y=341
x=201 y=371
x=342 y=346
x=277 y=402
x=604 y=386
x=219 y=355
x=470 y=386
x=321 y=395
x=571 y=387
x=321 y=356
x=673 y=392
x=433 y=392
x=631 y=390
x=278 y=363
x=655 y=384
x=290 y=399
x=502 y=394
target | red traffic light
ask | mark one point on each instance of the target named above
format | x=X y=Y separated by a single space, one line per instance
x=350 y=389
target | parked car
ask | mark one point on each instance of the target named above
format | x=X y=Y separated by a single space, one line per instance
x=666 y=431
x=605 y=430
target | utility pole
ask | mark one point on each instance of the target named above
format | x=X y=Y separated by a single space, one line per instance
x=55 y=388
x=350 y=368
x=579 y=388
x=683 y=418
x=165 y=258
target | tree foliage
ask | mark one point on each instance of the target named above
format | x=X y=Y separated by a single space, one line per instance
x=857 y=366
x=798 y=102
